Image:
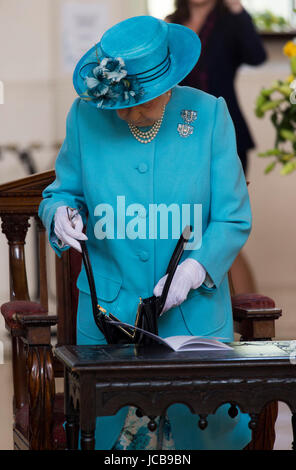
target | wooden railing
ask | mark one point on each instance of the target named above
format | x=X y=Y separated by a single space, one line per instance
x=19 y=201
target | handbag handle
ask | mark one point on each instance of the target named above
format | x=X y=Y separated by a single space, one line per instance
x=92 y=287
x=171 y=269
x=173 y=264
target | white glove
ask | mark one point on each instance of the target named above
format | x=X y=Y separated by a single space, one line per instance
x=68 y=231
x=189 y=275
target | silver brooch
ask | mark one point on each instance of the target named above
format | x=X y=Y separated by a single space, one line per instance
x=188 y=116
x=185 y=130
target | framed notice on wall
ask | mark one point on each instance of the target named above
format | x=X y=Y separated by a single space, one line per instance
x=82 y=25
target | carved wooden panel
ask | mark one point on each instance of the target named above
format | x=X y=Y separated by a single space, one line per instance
x=41 y=397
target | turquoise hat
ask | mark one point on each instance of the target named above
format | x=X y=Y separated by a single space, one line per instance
x=136 y=61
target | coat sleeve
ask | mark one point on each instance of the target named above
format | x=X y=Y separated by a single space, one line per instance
x=230 y=218
x=66 y=189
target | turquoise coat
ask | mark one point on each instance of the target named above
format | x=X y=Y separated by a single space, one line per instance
x=100 y=162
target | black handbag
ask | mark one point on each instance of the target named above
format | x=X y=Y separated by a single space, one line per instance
x=149 y=309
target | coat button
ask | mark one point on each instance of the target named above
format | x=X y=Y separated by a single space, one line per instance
x=144 y=256
x=142 y=167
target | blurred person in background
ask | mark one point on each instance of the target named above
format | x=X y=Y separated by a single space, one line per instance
x=229 y=39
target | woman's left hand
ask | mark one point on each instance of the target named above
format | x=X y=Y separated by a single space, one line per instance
x=234 y=6
x=189 y=275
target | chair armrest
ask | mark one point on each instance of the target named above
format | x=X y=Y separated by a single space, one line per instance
x=36 y=328
x=33 y=371
x=15 y=311
x=254 y=306
x=255 y=315
x=252 y=301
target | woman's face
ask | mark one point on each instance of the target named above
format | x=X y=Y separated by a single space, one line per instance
x=145 y=114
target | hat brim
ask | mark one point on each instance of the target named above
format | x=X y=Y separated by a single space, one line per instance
x=185 y=49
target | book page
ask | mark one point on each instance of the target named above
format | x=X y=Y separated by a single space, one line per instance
x=182 y=342
x=194 y=343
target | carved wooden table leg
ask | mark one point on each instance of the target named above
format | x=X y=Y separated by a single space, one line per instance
x=263 y=437
x=72 y=431
x=87 y=440
x=71 y=411
x=87 y=410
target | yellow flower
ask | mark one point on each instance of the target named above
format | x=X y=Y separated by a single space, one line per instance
x=290 y=79
x=290 y=49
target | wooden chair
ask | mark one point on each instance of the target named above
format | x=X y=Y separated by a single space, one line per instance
x=38 y=410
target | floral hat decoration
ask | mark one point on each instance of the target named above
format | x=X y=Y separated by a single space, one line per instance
x=106 y=84
x=136 y=60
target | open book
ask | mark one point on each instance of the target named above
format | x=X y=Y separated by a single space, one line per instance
x=182 y=342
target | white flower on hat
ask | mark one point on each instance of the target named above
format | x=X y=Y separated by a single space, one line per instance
x=113 y=69
x=107 y=84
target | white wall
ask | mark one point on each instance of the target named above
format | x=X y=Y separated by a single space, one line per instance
x=38 y=92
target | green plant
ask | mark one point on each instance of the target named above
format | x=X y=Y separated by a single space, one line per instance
x=280 y=101
x=269 y=22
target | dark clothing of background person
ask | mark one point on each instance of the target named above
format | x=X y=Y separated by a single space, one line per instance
x=228 y=41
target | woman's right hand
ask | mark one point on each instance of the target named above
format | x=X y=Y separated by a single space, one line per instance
x=68 y=231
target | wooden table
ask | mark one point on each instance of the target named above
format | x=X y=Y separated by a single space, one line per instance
x=99 y=380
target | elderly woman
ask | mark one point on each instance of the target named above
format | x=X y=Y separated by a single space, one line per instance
x=137 y=141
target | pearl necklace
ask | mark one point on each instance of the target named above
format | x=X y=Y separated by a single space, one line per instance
x=147 y=136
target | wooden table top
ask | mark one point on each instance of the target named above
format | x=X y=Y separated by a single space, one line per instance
x=246 y=353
